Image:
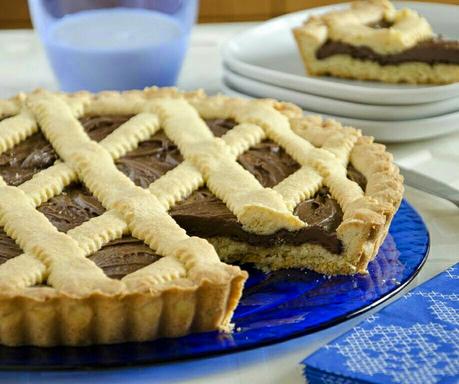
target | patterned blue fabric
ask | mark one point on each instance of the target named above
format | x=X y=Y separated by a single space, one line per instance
x=413 y=340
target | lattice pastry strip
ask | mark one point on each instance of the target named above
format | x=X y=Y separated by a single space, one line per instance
x=144 y=214
x=292 y=189
x=100 y=230
x=15 y=129
x=181 y=181
x=51 y=181
x=298 y=186
x=21 y=271
x=11 y=106
x=259 y=209
x=242 y=137
x=162 y=271
x=327 y=134
x=314 y=129
x=329 y=161
x=176 y=184
x=25 y=270
x=130 y=134
x=336 y=146
x=350 y=26
x=341 y=143
x=28 y=227
x=332 y=159
x=276 y=127
x=48 y=183
x=133 y=102
x=344 y=190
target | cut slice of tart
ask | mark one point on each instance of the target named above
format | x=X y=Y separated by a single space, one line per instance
x=373 y=41
x=118 y=211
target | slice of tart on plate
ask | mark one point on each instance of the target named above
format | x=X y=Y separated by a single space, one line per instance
x=373 y=41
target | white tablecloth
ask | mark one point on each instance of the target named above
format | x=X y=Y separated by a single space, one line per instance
x=23 y=67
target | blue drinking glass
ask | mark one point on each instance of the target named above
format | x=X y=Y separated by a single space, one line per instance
x=114 y=44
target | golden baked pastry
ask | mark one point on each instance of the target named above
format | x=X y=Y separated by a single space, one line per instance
x=119 y=209
x=373 y=41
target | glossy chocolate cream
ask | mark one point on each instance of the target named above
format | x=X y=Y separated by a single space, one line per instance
x=201 y=214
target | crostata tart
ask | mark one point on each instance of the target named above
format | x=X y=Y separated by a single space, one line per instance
x=373 y=41
x=119 y=211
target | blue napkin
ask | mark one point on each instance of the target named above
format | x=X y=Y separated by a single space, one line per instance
x=413 y=340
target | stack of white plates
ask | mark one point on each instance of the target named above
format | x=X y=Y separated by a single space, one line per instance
x=264 y=62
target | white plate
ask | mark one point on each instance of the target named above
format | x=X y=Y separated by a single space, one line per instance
x=268 y=53
x=387 y=131
x=339 y=107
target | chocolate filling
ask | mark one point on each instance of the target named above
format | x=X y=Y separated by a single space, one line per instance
x=124 y=256
x=26 y=159
x=143 y=165
x=201 y=214
x=433 y=51
x=354 y=175
x=8 y=248
x=381 y=24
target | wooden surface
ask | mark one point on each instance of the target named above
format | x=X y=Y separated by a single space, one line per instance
x=246 y=10
x=14 y=13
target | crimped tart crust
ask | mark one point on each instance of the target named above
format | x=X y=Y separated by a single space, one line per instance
x=54 y=294
x=374 y=41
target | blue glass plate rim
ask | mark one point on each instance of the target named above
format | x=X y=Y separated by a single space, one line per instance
x=54 y=362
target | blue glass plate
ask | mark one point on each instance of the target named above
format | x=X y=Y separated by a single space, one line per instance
x=275 y=307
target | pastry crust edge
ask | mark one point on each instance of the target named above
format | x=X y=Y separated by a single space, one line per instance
x=45 y=317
